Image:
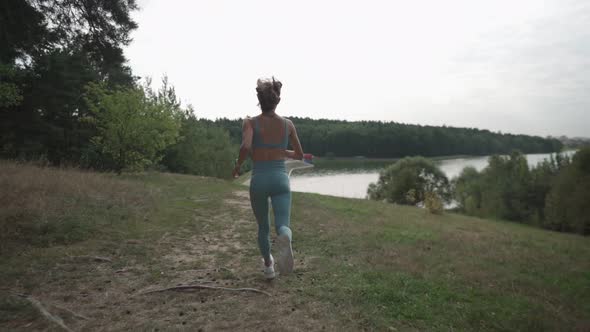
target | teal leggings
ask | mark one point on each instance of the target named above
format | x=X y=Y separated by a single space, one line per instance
x=270 y=180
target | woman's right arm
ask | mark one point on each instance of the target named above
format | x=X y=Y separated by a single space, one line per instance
x=246 y=147
x=297 y=152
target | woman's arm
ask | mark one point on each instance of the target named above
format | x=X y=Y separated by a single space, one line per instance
x=246 y=147
x=297 y=152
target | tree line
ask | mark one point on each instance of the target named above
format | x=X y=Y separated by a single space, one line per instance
x=378 y=139
x=552 y=194
x=67 y=95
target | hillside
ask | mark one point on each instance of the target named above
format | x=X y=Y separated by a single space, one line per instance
x=89 y=246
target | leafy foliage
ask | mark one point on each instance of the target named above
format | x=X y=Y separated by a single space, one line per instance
x=500 y=190
x=433 y=203
x=467 y=191
x=202 y=149
x=567 y=207
x=134 y=125
x=409 y=181
x=553 y=194
x=10 y=94
x=51 y=49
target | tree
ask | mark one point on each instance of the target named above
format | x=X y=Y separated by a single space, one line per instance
x=51 y=49
x=10 y=93
x=505 y=186
x=508 y=189
x=543 y=176
x=409 y=180
x=566 y=206
x=202 y=149
x=467 y=191
x=501 y=190
x=134 y=125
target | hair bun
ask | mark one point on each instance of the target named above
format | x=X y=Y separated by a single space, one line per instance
x=276 y=86
x=269 y=93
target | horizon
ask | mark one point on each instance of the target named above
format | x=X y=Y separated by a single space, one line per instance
x=513 y=68
x=408 y=124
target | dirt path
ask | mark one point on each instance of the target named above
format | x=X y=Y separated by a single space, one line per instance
x=218 y=249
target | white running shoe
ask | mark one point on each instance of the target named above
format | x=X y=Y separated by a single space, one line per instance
x=269 y=271
x=285 y=262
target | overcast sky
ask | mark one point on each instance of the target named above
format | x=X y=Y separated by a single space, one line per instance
x=519 y=66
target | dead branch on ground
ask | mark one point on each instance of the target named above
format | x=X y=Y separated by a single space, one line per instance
x=95 y=258
x=187 y=287
x=75 y=314
x=55 y=319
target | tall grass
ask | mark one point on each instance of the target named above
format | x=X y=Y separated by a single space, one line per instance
x=42 y=206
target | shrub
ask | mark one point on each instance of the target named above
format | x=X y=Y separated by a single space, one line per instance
x=433 y=203
x=408 y=180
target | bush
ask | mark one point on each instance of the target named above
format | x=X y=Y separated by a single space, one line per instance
x=409 y=180
x=433 y=203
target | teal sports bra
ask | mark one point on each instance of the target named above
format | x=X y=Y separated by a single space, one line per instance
x=257 y=139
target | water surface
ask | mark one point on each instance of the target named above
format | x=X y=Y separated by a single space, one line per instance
x=353 y=183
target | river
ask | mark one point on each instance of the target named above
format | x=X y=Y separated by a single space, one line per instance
x=354 y=182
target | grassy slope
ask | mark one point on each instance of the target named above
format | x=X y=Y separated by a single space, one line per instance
x=361 y=264
x=398 y=266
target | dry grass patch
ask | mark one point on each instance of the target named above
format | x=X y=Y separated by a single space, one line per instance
x=46 y=206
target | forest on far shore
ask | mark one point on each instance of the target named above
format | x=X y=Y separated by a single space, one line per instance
x=378 y=139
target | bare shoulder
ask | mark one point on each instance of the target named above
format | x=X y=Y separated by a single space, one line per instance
x=247 y=122
x=290 y=123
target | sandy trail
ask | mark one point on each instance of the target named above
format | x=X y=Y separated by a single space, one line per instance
x=220 y=251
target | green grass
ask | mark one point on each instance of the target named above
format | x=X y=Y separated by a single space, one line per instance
x=367 y=265
x=400 y=267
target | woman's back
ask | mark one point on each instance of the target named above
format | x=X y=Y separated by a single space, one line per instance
x=270 y=138
x=270 y=132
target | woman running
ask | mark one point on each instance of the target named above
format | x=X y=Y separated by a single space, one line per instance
x=266 y=137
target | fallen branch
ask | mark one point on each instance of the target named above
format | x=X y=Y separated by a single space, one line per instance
x=161 y=239
x=180 y=288
x=77 y=315
x=217 y=269
x=46 y=314
x=95 y=258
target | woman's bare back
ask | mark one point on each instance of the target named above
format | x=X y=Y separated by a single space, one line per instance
x=273 y=130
